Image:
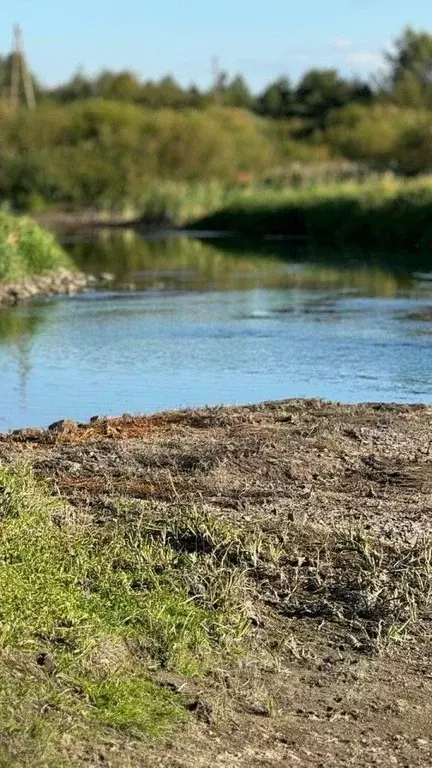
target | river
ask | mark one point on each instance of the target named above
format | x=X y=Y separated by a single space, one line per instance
x=188 y=323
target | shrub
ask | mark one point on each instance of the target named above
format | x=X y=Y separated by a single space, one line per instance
x=26 y=249
x=103 y=154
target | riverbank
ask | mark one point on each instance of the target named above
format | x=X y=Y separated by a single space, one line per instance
x=387 y=215
x=64 y=223
x=33 y=264
x=60 y=282
x=249 y=586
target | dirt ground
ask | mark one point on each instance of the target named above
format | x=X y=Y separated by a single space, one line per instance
x=315 y=693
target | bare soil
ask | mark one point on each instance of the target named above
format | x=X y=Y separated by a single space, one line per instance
x=321 y=689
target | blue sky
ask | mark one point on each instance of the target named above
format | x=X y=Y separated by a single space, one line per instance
x=261 y=38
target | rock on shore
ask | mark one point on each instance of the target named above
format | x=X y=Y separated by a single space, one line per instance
x=58 y=283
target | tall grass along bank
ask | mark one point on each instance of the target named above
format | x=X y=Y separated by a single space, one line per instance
x=32 y=263
x=27 y=250
x=386 y=214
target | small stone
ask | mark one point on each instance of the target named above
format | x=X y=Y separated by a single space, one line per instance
x=201 y=709
x=260 y=710
x=46 y=661
x=63 y=425
x=28 y=433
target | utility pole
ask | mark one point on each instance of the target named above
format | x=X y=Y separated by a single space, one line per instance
x=216 y=70
x=20 y=71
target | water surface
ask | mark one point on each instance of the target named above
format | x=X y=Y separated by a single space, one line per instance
x=187 y=323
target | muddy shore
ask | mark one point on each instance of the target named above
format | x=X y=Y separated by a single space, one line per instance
x=65 y=223
x=308 y=460
x=57 y=283
x=301 y=472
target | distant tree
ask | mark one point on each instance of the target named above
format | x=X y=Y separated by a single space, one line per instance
x=78 y=87
x=171 y=93
x=164 y=93
x=195 y=98
x=117 y=86
x=322 y=90
x=277 y=100
x=414 y=149
x=409 y=80
x=237 y=93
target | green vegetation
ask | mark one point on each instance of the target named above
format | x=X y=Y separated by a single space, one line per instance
x=319 y=91
x=26 y=249
x=127 y=159
x=85 y=611
x=94 y=611
x=383 y=137
x=380 y=215
x=409 y=80
x=107 y=142
x=103 y=155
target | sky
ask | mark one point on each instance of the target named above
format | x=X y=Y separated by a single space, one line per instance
x=260 y=38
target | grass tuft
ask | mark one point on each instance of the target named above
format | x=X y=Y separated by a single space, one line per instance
x=27 y=250
x=375 y=590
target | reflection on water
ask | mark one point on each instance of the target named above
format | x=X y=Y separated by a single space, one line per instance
x=180 y=263
x=16 y=332
x=189 y=323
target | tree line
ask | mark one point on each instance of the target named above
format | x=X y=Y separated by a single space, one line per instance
x=104 y=142
x=406 y=82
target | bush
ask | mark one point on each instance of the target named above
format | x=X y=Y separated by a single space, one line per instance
x=104 y=154
x=414 y=148
x=383 y=136
x=26 y=249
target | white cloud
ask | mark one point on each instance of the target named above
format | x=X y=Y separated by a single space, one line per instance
x=342 y=43
x=365 y=58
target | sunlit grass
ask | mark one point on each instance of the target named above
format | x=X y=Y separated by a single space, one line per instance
x=26 y=249
x=85 y=611
x=89 y=612
x=386 y=214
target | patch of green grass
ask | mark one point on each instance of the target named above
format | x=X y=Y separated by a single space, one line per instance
x=383 y=214
x=85 y=611
x=26 y=249
x=48 y=719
